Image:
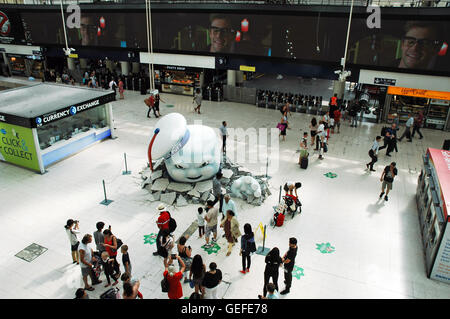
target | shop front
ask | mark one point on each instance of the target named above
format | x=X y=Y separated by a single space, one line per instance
x=27 y=65
x=434 y=105
x=177 y=79
x=433 y=203
x=39 y=128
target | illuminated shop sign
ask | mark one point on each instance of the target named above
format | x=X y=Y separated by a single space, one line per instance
x=72 y=110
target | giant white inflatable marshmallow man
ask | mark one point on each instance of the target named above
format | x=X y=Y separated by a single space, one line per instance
x=191 y=152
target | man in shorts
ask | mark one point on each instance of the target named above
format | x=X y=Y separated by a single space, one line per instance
x=387 y=178
x=211 y=222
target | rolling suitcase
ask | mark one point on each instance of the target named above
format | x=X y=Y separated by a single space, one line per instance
x=304 y=162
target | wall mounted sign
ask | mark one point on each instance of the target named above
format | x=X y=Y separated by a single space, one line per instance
x=428 y=94
x=384 y=81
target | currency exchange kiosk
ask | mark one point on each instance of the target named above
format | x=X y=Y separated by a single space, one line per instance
x=45 y=123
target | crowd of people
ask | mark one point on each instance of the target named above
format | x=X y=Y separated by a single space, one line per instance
x=181 y=264
x=101 y=260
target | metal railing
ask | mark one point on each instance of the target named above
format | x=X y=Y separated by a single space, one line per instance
x=381 y=3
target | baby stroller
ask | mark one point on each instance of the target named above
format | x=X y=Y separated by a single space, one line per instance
x=289 y=205
x=293 y=204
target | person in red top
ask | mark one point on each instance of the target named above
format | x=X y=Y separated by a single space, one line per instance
x=418 y=121
x=163 y=224
x=150 y=102
x=175 y=289
x=337 y=119
x=111 y=247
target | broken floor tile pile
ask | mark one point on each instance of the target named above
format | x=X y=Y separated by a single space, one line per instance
x=162 y=188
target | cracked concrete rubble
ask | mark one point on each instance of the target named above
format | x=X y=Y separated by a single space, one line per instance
x=162 y=188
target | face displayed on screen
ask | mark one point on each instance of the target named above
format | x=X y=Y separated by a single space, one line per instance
x=87 y=30
x=220 y=34
x=419 y=45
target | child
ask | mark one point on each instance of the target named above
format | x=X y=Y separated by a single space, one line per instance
x=126 y=259
x=127 y=278
x=201 y=223
x=110 y=269
x=332 y=125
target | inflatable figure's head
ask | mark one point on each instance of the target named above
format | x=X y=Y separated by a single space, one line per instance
x=191 y=152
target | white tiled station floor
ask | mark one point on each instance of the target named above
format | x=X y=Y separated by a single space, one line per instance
x=377 y=245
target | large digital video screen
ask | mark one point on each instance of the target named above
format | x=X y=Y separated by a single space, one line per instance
x=398 y=44
x=410 y=44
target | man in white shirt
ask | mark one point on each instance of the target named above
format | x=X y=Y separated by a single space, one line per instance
x=322 y=135
x=373 y=153
x=229 y=204
x=407 y=132
x=224 y=133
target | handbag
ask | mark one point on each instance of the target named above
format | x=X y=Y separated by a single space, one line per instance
x=165 y=284
x=119 y=244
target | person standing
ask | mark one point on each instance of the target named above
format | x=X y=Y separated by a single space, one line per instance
x=303 y=147
x=185 y=254
x=418 y=121
x=283 y=126
x=289 y=262
x=150 y=102
x=113 y=86
x=228 y=204
x=163 y=224
x=109 y=269
x=248 y=246
x=224 y=133
x=373 y=153
x=175 y=289
x=99 y=238
x=126 y=259
x=200 y=222
x=110 y=245
x=337 y=120
x=86 y=259
x=231 y=228
x=211 y=223
x=197 y=273
x=156 y=105
x=72 y=229
x=407 y=131
x=273 y=263
x=198 y=100
x=121 y=89
x=211 y=281
x=313 y=127
x=392 y=141
x=387 y=179
x=353 y=112
x=217 y=192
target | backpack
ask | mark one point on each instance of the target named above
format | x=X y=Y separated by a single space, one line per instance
x=280 y=220
x=165 y=284
x=119 y=244
x=111 y=293
x=172 y=224
x=251 y=245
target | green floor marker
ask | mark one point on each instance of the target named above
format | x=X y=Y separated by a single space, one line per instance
x=330 y=175
x=150 y=239
x=325 y=248
x=214 y=249
x=297 y=272
x=169 y=105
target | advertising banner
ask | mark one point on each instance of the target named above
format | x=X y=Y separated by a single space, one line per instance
x=441 y=268
x=17 y=146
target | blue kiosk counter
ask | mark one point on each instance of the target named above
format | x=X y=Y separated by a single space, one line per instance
x=45 y=123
